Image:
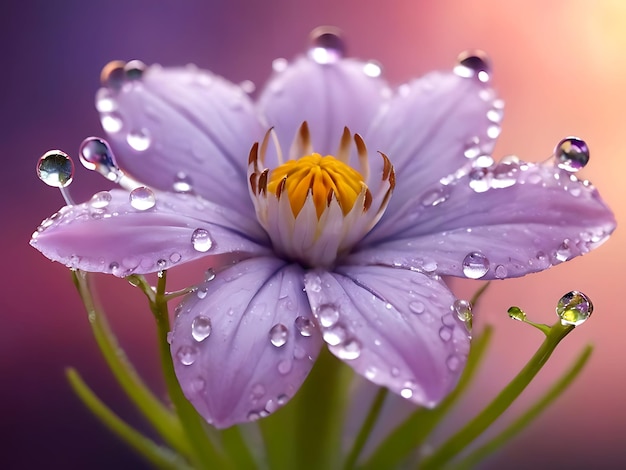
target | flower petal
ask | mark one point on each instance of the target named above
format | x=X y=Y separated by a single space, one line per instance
x=328 y=96
x=393 y=326
x=245 y=341
x=183 y=125
x=480 y=229
x=433 y=125
x=110 y=234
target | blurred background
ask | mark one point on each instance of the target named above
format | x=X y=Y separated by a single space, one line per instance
x=558 y=65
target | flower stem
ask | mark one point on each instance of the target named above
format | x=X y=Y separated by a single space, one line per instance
x=158 y=456
x=459 y=441
x=366 y=428
x=205 y=453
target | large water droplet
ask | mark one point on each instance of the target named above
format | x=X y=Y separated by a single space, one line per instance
x=348 y=350
x=55 y=168
x=327 y=45
x=328 y=314
x=182 y=183
x=186 y=355
x=335 y=335
x=304 y=325
x=139 y=140
x=142 y=198
x=574 y=308
x=278 y=335
x=475 y=265
x=473 y=63
x=463 y=309
x=100 y=200
x=517 y=313
x=571 y=154
x=201 y=240
x=201 y=328
x=96 y=154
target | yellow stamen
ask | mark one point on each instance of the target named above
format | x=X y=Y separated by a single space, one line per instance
x=323 y=177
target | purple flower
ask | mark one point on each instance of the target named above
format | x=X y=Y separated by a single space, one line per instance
x=307 y=248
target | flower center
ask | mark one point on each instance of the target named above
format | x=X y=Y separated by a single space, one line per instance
x=322 y=177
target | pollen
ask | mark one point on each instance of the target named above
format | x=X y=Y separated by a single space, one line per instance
x=322 y=178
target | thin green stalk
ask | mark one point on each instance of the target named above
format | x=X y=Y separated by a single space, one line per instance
x=366 y=428
x=459 y=441
x=410 y=435
x=205 y=455
x=157 y=414
x=237 y=449
x=526 y=418
x=278 y=435
x=158 y=456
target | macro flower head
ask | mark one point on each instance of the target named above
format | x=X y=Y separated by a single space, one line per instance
x=327 y=211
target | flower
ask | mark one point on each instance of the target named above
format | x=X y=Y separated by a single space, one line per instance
x=316 y=249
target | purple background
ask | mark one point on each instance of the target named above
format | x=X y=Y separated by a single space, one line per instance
x=558 y=66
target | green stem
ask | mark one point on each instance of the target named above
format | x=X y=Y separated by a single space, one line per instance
x=525 y=419
x=160 y=457
x=366 y=428
x=459 y=441
x=238 y=449
x=410 y=435
x=205 y=453
x=160 y=417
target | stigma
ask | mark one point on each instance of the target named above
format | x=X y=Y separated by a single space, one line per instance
x=316 y=208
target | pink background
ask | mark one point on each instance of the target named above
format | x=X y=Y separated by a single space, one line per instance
x=559 y=66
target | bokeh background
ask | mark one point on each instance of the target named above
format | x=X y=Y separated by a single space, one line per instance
x=559 y=66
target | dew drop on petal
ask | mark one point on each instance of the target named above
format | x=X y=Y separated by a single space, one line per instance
x=327 y=45
x=500 y=271
x=453 y=362
x=574 y=308
x=564 y=251
x=473 y=63
x=182 y=183
x=284 y=366
x=111 y=122
x=139 y=140
x=571 y=154
x=475 y=265
x=105 y=102
x=328 y=314
x=417 y=307
x=55 y=168
x=348 y=350
x=258 y=390
x=197 y=384
x=335 y=335
x=463 y=309
x=209 y=274
x=282 y=400
x=278 y=335
x=202 y=292
x=100 y=200
x=372 y=69
x=201 y=328
x=113 y=74
x=96 y=154
x=186 y=355
x=304 y=325
x=201 y=240
x=406 y=392
x=142 y=198
x=134 y=69
x=445 y=333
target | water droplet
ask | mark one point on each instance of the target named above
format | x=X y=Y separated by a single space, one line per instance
x=564 y=251
x=201 y=240
x=327 y=45
x=335 y=335
x=96 y=154
x=406 y=393
x=55 y=168
x=139 y=140
x=416 y=306
x=571 y=154
x=279 y=64
x=105 y=103
x=134 y=69
x=472 y=148
x=186 y=355
x=328 y=314
x=517 y=313
x=372 y=69
x=209 y=274
x=197 y=384
x=253 y=416
x=463 y=309
x=434 y=197
x=202 y=292
x=161 y=263
x=282 y=400
x=175 y=257
x=284 y=367
x=100 y=200
x=111 y=122
x=201 y=328
x=182 y=183
x=453 y=362
x=480 y=179
x=257 y=392
x=278 y=335
x=475 y=265
x=348 y=350
x=445 y=333
x=500 y=271
x=113 y=74
x=473 y=63
x=142 y=198
x=304 y=326
x=574 y=308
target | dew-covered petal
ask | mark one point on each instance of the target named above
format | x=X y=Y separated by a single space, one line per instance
x=183 y=129
x=244 y=342
x=329 y=97
x=142 y=232
x=543 y=216
x=395 y=327
x=432 y=127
